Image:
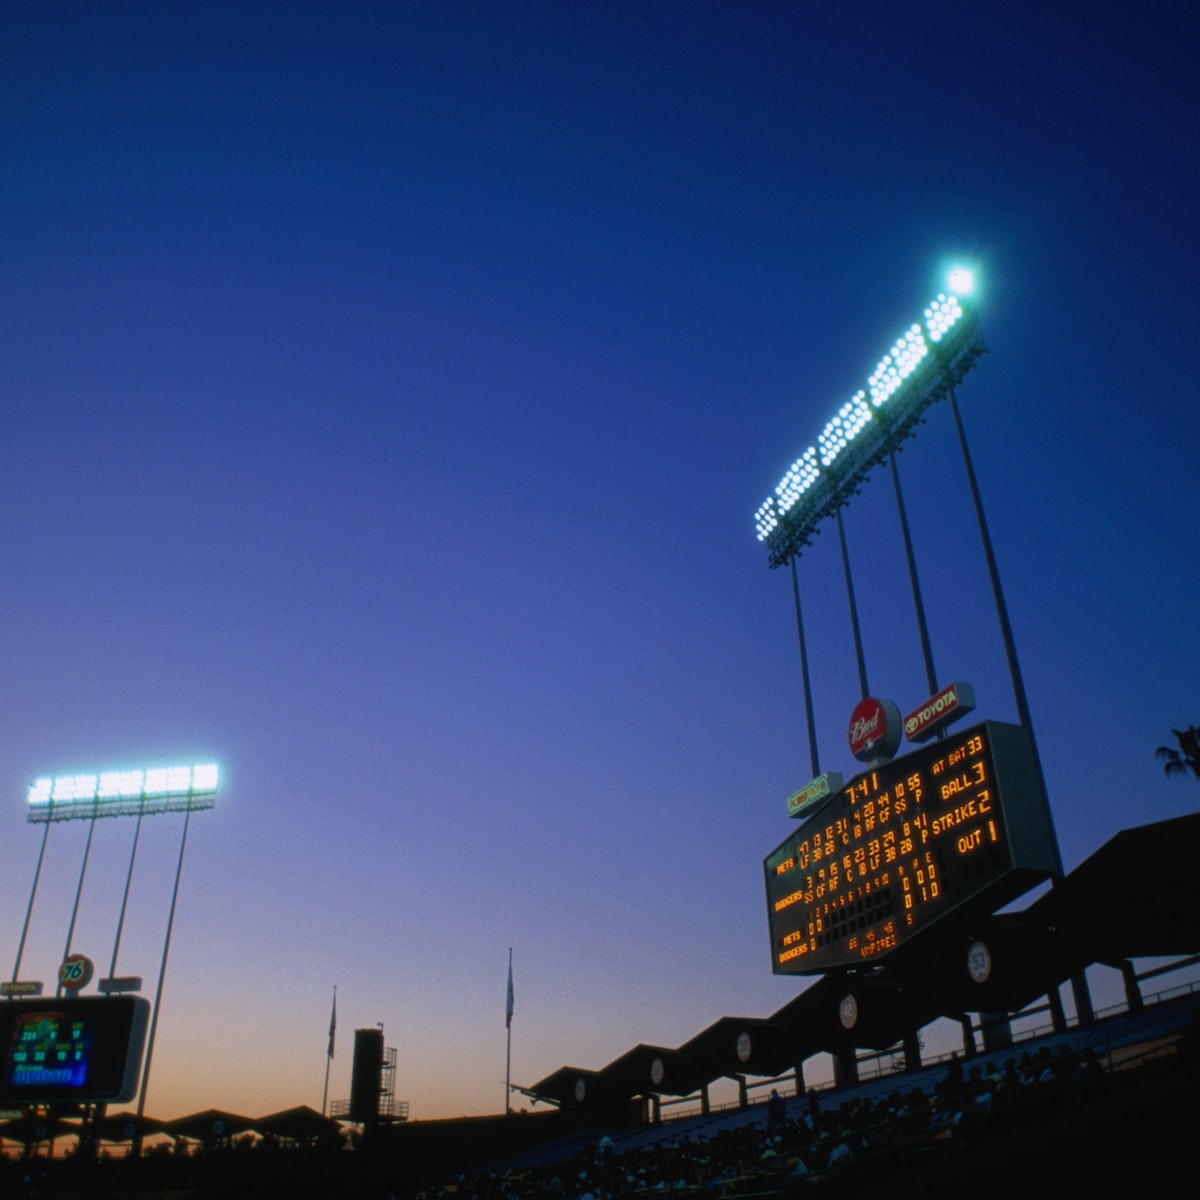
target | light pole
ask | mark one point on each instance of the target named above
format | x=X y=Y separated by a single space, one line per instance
x=140 y=793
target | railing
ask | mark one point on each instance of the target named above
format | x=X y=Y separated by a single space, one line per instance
x=389 y=1108
x=889 y=1062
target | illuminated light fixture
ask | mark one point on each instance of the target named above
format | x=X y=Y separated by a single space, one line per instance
x=74 y=787
x=39 y=791
x=961 y=280
x=121 y=785
x=204 y=777
x=941 y=316
x=909 y=351
x=923 y=364
x=883 y=381
x=765 y=520
x=119 y=793
x=801 y=475
x=843 y=429
x=897 y=366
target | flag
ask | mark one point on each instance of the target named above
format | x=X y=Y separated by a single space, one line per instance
x=509 y=1005
x=332 y=1025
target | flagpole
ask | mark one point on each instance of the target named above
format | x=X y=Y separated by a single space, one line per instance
x=508 y=1012
x=329 y=1049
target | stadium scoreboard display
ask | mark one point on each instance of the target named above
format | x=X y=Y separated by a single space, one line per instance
x=959 y=826
x=83 y=1048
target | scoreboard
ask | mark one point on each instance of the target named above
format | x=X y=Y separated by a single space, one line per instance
x=959 y=826
x=85 y=1048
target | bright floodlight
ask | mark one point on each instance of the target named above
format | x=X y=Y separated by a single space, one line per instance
x=961 y=281
x=123 y=793
x=941 y=316
x=923 y=364
x=897 y=366
x=842 y=430
x=765 y=520
x=801 y=475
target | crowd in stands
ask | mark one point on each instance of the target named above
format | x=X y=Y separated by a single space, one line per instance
x=796 y=1143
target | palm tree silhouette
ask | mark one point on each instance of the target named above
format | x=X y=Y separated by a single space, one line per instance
x=1186 y=758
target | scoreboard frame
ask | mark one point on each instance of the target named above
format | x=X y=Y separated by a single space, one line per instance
x=82 y=1048
x=960 y=826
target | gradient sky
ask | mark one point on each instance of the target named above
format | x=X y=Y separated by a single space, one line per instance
x=388 y=393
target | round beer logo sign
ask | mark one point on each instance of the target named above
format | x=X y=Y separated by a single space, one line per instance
x=875 y=729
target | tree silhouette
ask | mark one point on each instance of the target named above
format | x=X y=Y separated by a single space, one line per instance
x=1186 y=758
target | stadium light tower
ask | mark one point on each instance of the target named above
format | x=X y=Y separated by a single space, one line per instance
x=926 y=364
x=923 y=366
x=140 y=792
x=90 y=795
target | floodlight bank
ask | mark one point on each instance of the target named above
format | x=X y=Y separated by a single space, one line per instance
x=123 y=793
x=925 y=362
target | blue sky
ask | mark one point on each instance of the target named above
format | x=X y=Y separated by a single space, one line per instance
x=389 y=393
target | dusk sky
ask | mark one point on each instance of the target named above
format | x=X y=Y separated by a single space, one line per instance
x=388 y=393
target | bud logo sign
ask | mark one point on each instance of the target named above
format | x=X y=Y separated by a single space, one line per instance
x=952 y=702
x=874 y=729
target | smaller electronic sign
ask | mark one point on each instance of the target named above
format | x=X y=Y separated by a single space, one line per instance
x=809 y=796
x=86 y=1048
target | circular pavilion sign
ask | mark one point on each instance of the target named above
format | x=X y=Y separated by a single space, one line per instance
x=848 y=1011
x=744 y=1047
x=979 y=962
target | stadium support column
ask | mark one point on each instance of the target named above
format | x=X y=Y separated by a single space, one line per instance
x=858 y=646
x=1010 y=646
x=918 y=602
x=1058 y=1015
x=968 y=1033
x=37 y=874
x=137 y=833
x=1079 y=985
x=87 y=851
x=845 y=1067
x=158 y=992
x=814 y=758
x=1133 y=992
x=1085 y=1014
x=997 y=1032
